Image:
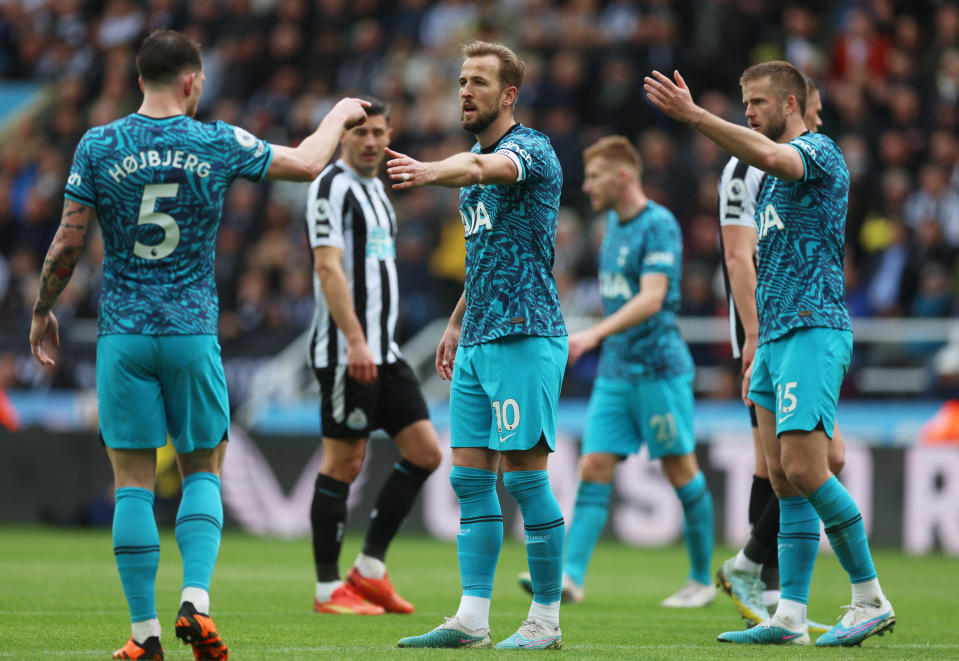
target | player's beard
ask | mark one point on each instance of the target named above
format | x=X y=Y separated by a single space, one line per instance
x=776 y=127
x=481 y=122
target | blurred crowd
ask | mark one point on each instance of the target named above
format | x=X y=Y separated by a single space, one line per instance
x=889 y=73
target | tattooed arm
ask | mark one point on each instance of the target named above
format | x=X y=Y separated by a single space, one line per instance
x=57 y=269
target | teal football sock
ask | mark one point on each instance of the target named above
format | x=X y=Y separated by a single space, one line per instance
x=698 y=526
x=845 y=529
x=199 y=523
x=543 y=522
x=589 y=519
x=136 y=546
x=481 y=529
x=798 y=546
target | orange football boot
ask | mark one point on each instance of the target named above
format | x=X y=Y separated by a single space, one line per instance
x=150 y=650
x=379 y=591
x=198 y=630
x=347 y=601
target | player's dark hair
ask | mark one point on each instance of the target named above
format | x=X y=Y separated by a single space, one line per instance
x=615 y=148
x=512 y=70
x=377 y=106
x=165 y=54
x=785 y=78
x=811 y=85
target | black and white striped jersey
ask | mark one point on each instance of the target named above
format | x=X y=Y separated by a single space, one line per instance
x=349 y=211
x=739 y=187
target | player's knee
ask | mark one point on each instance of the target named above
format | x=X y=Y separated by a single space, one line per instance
x=837 y=461
x=597 y=467
x=344 y=470
x=428 y=457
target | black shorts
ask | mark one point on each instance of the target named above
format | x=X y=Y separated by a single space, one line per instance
x=350 y=410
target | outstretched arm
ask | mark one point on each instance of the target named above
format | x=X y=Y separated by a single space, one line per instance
x=61 y=259
x=463 y=169
x=674 y=99
x=306 y=161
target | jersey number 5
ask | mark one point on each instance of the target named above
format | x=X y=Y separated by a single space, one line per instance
x=150 y=216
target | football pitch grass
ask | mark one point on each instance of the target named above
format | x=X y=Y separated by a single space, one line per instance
x=60 y=598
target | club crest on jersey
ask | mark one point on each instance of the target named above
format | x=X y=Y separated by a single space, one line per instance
x=475 y=218
x=614 y=285
x=770 y=220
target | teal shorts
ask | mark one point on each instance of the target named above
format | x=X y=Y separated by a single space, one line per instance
x=623 y=414
x=505 y=393
x=152 y=385
x=798 y=377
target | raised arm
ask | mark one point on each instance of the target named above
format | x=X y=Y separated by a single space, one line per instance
x=305 y=161
x=58 y=266
x=674 y=99
x=463 y=169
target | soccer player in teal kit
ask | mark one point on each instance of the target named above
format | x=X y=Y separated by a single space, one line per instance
x=156 y=181
x=644 y=387
x=805 y=341
x=504 y=348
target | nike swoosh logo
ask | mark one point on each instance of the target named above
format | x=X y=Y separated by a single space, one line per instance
x=792 y=636
x=845 y=633
x=503 y=439
x=786 y=417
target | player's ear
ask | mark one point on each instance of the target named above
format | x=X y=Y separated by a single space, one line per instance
x=189 y=80
x=792 y=105
x=140 y=82
x=509 y=95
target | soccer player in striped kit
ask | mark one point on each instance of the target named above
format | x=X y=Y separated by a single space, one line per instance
x=365 y=384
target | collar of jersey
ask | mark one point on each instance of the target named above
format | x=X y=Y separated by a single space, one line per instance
x=492 y=147
x=158 y=119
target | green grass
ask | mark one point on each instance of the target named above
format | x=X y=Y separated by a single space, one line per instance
x=60 y=598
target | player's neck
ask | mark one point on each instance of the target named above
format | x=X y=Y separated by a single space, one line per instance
x=161 y=104
x=795 y=127
x=631 y=205
x=495 y=131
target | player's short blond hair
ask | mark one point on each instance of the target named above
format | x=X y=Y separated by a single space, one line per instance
x=784 y=77
x=615 y=148
x=512 y=70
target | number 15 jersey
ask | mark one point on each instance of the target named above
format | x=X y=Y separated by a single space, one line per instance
x=158 y=187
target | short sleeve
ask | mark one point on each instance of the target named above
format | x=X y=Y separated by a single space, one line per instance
x=526 y=154
x=80 y=184
x=663 y=248
x=324 y=210
x=248 y=156
x=819 y=154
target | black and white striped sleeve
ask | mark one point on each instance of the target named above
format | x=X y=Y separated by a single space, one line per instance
x=324 y=208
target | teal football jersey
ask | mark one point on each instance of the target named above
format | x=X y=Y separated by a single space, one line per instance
x=158 y=187
x=650 y=242
x=802 y=229
x=510 y=231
